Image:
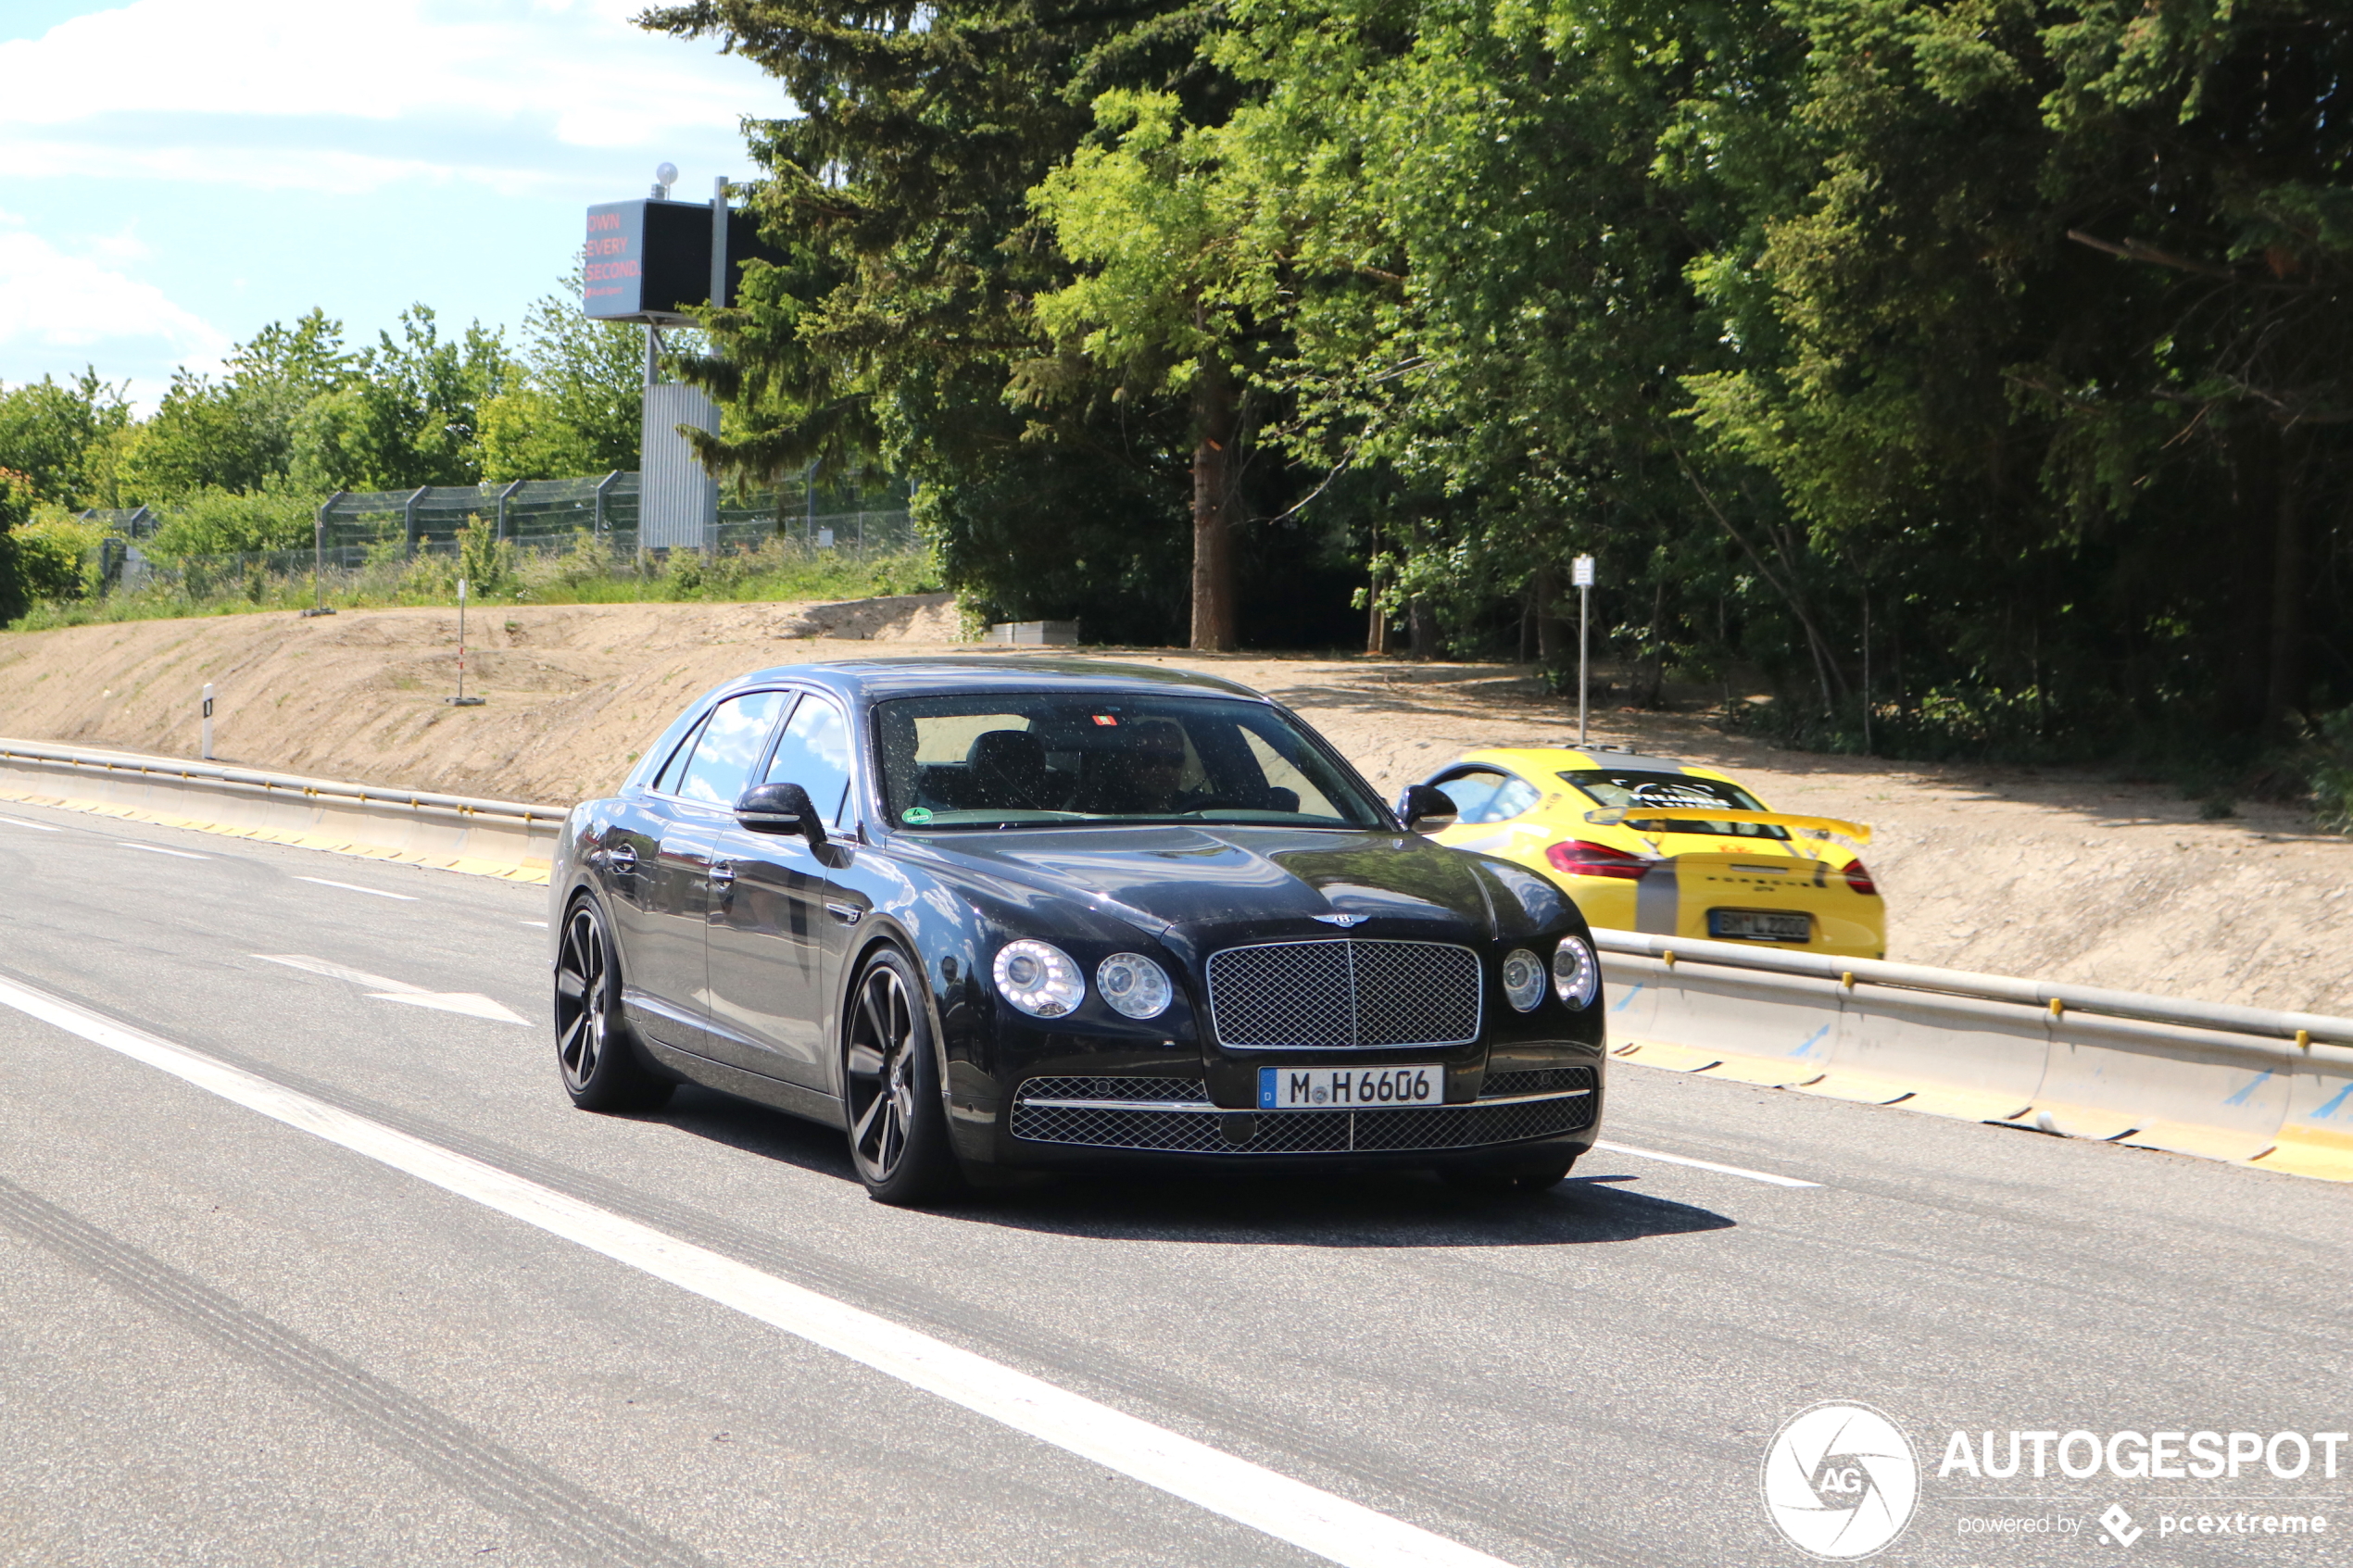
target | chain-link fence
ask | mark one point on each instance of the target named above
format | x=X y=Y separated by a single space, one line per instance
x=539 y=529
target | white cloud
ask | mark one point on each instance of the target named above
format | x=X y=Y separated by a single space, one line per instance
x=53 y=301
x=489 y=88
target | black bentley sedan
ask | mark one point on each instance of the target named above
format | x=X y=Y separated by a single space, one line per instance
x=989 y=911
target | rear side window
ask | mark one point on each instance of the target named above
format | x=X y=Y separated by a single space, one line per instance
x=729 y=747
x=814 y=753
x=1489 y=795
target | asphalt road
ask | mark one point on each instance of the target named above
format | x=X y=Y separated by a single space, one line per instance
x=301 y=1311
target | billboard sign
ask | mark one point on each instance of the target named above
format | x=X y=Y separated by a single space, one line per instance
x=650 y=260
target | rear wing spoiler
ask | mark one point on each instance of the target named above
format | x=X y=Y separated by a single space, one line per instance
x=1812 y=827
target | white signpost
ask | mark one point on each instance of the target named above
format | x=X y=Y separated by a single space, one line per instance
x=1582 y=574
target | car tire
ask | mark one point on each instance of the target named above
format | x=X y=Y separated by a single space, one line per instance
x=596 y=1052
x=1495 y=1178
x=896 y=1117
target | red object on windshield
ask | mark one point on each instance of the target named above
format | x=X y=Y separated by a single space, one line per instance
x=1858 y=877
x=1577 y=858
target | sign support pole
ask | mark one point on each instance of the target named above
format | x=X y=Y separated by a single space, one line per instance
x=1583 y=577
x=462 y=699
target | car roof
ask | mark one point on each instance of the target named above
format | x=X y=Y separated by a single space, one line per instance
x=873 y=679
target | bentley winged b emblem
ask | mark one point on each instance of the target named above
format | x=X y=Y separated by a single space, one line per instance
x=1343 y=921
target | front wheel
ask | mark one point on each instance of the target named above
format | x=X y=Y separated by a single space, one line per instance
x=898 y=1125
x=592 y=1043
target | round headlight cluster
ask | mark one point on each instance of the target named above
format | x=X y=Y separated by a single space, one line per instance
x=1134 y=985
x=1038 y=978
x=1523 y=979
x=1576 y=976
x=1044 y=981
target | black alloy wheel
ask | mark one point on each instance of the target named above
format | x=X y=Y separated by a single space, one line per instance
x=897 y=1126
x=601 y=1072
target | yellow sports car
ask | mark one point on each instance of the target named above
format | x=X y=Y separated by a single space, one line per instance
x=1644 y=844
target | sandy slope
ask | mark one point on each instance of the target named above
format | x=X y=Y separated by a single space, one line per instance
x=2016 y=871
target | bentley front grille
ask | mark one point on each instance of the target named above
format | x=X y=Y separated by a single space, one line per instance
x=1283 y=996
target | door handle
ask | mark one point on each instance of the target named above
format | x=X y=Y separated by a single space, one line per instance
x=722 y=873
x=849 y=914
x=620 y=858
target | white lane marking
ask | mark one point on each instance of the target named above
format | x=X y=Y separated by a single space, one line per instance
x=355 y=888
x=333 y=971
x=1705 y=1165
x=474 y=1004
x=540 y=924
x=160 y=849
x=1249 y=1494
x=37 y=827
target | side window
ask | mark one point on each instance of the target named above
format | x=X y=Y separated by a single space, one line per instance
x=814 y=753
x=1488 y=794
x=668 y=783
x=728 y=748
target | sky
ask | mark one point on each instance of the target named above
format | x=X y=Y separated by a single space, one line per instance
x=176 y=174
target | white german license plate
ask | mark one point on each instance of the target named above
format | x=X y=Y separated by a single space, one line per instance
x=1760 y=925
x=1349 y=1088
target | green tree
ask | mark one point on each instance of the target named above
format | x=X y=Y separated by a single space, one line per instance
x=573 y=406
x=238 y=433
x=408 y=414
x=57 y=435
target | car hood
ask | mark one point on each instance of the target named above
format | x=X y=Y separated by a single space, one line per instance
x=1220 y=876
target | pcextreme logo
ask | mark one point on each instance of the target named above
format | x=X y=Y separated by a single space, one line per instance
x=1841 y=1481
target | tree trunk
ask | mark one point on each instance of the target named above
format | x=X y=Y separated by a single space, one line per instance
x=1377 y=621
x=2283 y=673
x=1421 y=624
x=1214 y=417
x=1554 y=635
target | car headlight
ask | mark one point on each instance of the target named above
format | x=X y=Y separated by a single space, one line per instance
x=1576 y=975
x=1523 y=979
x=1038 y=978
x=1134 y=985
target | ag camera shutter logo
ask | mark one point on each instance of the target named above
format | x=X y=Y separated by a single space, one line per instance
x=1841 y=1481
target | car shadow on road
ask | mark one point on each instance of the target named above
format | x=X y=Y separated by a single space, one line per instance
x=1377 y=1207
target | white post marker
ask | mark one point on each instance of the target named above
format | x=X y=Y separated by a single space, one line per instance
x=1582 y=574
x=462 y=699
x=204 y=751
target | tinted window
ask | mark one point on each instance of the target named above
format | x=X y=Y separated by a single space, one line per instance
x=1611 y=786
x=1488 y=794
x=814 y=753
x=1061 y=759
x=668 y=783
x=729 y=747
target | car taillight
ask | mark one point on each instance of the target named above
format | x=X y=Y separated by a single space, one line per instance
x=1577 y=858
x=1858 y=877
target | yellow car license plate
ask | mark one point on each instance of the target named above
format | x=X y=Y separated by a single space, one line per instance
x=1760 y=925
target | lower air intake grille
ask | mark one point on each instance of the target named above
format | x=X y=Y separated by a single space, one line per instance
x=1541 y=1081
x=1037 y=1119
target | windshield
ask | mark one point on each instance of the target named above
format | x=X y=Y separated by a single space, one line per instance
x=990 y=760
x=1611 y=786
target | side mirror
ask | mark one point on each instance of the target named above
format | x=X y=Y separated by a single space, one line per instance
x=779 y=808
x=1425 y=808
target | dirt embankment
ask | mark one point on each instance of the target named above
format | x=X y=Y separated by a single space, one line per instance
x=2066 y=875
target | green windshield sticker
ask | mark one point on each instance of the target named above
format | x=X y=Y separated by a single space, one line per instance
x=915 y=816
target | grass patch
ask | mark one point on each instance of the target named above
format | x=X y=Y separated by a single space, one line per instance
x=498 y=574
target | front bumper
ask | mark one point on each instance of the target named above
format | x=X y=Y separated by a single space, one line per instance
x=1053 y=1119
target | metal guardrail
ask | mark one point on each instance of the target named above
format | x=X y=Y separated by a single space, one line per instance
x=2253 y=1085
x=498 y=838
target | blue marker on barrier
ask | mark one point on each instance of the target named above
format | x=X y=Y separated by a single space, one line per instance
x=2252 y=1084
